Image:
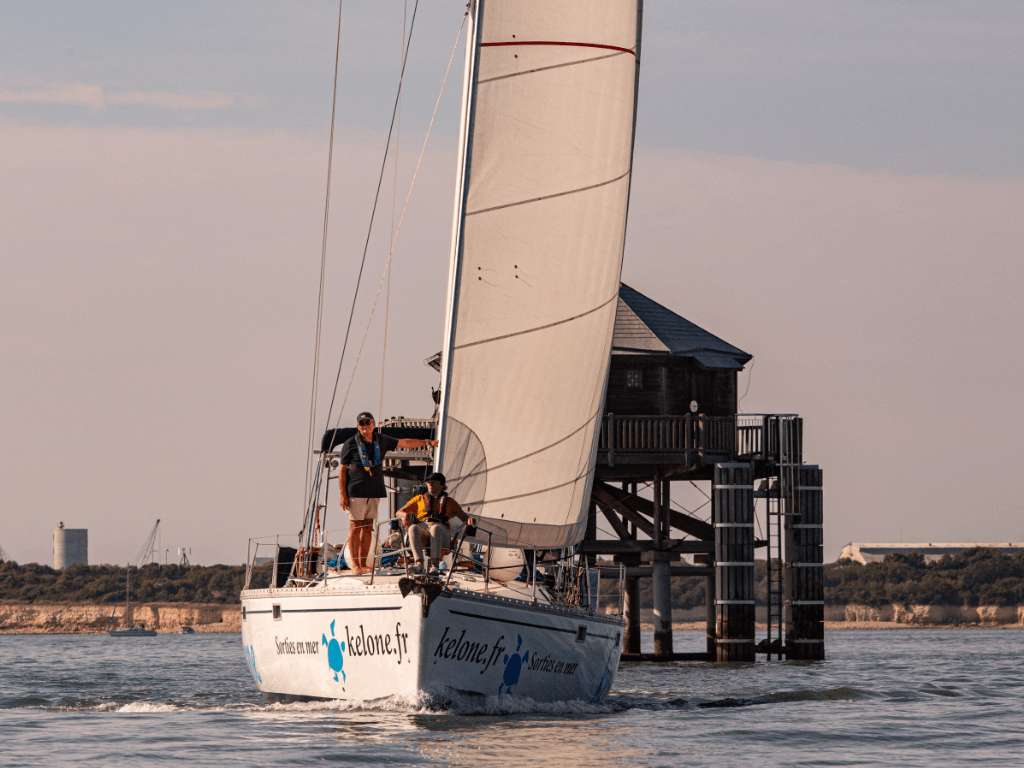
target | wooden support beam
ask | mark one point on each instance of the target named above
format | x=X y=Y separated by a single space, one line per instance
x=645 y=571
x=610 y=503
x=618 y=501
x=610 y=547
x=667 y=458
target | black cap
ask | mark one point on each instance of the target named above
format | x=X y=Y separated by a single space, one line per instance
x=364 y=415
x=438 y=477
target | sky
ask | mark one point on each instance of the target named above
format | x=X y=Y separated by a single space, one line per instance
x=835 y=188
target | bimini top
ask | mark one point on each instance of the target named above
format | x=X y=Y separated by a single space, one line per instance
x=643 y=326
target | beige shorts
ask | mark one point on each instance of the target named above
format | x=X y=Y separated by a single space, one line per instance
x=362 y=509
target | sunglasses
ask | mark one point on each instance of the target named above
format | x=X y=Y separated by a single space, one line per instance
x=365 y=422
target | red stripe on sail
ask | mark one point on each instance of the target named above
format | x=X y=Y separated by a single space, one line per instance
x=555 y=42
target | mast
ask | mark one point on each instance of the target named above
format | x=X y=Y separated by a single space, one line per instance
x=458 y=218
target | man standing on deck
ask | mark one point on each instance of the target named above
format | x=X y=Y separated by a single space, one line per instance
x=361 y=478
x=427 y=516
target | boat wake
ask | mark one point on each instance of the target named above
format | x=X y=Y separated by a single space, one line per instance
x=453 y=703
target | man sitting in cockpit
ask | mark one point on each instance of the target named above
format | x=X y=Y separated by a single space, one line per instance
x=426 y=516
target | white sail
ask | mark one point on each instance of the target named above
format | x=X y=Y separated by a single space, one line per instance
x=536 y=256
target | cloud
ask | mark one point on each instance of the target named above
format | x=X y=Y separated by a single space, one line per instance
x=96 y=98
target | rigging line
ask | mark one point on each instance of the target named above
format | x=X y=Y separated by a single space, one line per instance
x=552 y=66
x=750 y=373
x=541 y=327
x=314 y=498
x=373 y=213
x=677 y=505
x=549 y=197
x=387 y=266
x=394 y=205
x=692 y=512
x=323 y=269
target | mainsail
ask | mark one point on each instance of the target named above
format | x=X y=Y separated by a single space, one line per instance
x=538 y=236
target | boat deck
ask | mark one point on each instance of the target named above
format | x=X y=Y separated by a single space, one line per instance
x=466 y=584
x=466 y=581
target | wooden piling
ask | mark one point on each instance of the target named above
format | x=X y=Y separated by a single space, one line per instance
x=631 y=598
x=631 y=637
x=709 y=592
x=712 y=636
x=733 y=515
x=661 y=574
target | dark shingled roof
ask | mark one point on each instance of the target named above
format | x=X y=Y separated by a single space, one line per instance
x=643 y=325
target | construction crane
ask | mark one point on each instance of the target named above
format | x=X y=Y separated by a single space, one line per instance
x=148 y=551
x=3 y=556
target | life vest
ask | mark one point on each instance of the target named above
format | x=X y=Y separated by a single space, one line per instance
x=364 y=457
x=424 y=512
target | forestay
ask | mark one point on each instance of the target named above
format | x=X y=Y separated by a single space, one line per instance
x=540 y=223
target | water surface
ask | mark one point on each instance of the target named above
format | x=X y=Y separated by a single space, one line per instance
x=894 y=697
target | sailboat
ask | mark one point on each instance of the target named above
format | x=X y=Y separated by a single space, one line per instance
x=129 y=630
x=542 y=188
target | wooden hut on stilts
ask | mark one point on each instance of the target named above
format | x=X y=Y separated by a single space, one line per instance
x=671 y=416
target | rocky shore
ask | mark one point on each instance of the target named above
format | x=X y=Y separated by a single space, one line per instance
x=79 y=619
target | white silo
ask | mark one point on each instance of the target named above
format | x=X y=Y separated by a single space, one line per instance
x=70 y=546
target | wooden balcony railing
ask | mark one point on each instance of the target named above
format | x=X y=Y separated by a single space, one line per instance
x=686 y=437
x=695 y=438
x=776 y=437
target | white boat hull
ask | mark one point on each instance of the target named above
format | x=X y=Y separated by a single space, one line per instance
x=368 y=642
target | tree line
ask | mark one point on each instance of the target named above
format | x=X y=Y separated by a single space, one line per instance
x=153 y=583
x=973 y=577
x=977 y=576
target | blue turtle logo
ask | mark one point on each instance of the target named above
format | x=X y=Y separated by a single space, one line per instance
x=250 y=656
x=334 y=658
x=513 y=667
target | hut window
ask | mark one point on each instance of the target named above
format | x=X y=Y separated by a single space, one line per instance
x=634 y=378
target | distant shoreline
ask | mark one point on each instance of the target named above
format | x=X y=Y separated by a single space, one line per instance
x=94 y=618
x=216 y=618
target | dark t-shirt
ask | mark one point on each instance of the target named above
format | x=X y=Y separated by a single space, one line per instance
x=362 y=485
